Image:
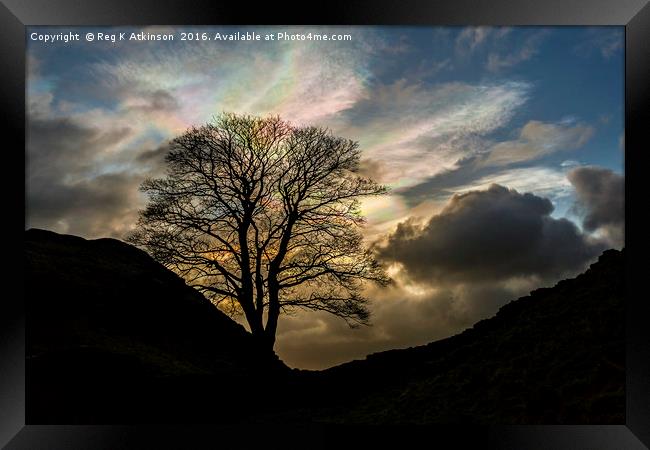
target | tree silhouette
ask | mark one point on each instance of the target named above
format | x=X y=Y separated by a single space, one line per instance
x=263 y=217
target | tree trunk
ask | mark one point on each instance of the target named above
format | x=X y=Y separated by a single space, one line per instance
x=273 y=313
x=252 y=317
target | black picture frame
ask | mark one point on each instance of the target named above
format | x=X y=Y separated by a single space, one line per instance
x=15 y=15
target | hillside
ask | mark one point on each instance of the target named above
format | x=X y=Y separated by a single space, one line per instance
x=554 y=356
x=112 y=336
x=107 y=326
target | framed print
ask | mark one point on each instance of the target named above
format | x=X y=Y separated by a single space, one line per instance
x=376 y=221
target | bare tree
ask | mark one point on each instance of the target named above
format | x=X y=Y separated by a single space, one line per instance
x=263 y=217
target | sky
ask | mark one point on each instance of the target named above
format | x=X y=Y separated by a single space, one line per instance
x=502 y=147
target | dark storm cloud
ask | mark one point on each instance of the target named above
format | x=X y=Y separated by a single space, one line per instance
x=495 y=234
x=98 y=207
x=64 y=191
x=601 y=197
x=62 y=146
x=484 y=249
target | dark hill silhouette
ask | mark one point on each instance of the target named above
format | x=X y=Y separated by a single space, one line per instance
x=114 y=337
x=554 y=356
x=107 y=326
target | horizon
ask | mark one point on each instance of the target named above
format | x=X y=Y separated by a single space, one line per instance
x=503 y=148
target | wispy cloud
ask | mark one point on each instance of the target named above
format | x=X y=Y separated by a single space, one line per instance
x=303 y=82
x=598 y=40
x=415 y=133
x=544 y=181
x=517 y=163
x=500 y=60
x=537 y=139
x=157 y=94
x=473 y=38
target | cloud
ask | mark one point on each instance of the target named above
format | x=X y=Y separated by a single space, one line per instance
x=539 y=180
x=601 y=200
x=33 y=65
x=399 y=319
x=94 y=137
x=104 y=206
x=495 y=234
x=621 y=142
x=65 y=147
x=408 y=129
x=569 y=163
x=156 y=100
x=402 y=45
x=470 y=175
x=483 y=249
x=484 y=163
x=445 y=183
x=537 y=139
x=305 y=82
x=154 y=159
x=68 y=187
x=471 y=38
x=498 y=61
x=411 y=133
x=479 y=164
x=417 y=131
x=605 y=41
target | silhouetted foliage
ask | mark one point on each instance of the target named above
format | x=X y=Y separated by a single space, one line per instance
x=263 y=217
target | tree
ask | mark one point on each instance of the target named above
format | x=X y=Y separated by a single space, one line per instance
x=263 y=217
